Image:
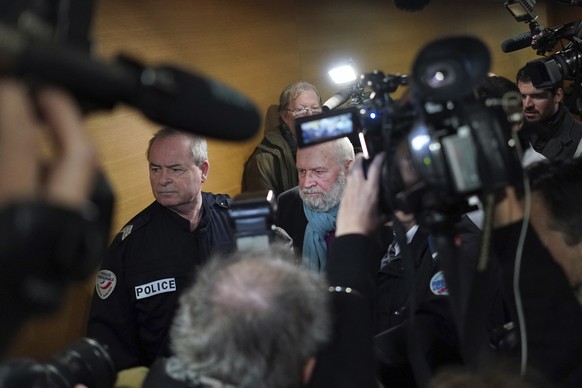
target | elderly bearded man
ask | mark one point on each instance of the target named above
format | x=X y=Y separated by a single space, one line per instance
x=308 y=212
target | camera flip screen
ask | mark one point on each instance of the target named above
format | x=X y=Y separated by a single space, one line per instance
x=317 y=129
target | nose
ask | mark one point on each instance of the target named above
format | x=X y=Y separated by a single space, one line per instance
x=165 y=178
x=308 y=180
x=527 y=101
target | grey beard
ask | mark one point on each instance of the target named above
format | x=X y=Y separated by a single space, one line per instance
x=328 y=199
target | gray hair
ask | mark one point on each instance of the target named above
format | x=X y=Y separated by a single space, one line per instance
x=291 y=92
x=198 y=144
x=252 y=320
x=344 y=150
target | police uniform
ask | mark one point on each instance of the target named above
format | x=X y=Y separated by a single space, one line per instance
x=434 y=327
x=150 y=262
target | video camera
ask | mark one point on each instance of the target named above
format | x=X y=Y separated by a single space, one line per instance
x=565 y=62
x=442 y=143
x=84 y=362
x=251 y=217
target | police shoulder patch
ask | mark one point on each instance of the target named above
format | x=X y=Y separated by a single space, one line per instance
x=105 y=283
x=438 y=285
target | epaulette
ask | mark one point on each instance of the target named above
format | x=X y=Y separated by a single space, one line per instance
x=222 y=201
x=135 y=223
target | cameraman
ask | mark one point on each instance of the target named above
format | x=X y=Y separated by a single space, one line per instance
x=40 y=200
x=551 y=129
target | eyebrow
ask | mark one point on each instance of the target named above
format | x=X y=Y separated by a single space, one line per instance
x=168 y=166
x=542 y=93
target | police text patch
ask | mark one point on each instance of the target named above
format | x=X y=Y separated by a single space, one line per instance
x=155 y=288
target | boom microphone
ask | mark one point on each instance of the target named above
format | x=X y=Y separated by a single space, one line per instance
x=165 y=94
x=337 y=99
x=517 y=42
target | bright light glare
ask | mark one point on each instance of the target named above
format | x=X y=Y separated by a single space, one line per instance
x=343 y=74
x=364 y=145
x=439 y=76
x=418 y=142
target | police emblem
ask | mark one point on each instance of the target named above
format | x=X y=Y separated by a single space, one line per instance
x=438 y=285
x=105 y=283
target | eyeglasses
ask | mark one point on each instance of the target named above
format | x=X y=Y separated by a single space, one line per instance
x=302 y=111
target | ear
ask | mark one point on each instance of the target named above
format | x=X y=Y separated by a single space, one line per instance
x=285 y=118
x=204 y=167
x=559 y=95
x=347 y=165
x=308 y=370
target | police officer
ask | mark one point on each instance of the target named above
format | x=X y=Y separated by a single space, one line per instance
x=154 y=257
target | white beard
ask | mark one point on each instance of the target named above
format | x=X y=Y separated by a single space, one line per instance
x=328 y=199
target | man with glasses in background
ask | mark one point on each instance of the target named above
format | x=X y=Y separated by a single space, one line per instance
x=272 y=164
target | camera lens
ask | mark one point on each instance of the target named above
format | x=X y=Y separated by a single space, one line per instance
x=85 y=362
x=439 y=75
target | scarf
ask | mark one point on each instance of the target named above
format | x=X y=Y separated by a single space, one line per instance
x=177 y=370
x=319 y=225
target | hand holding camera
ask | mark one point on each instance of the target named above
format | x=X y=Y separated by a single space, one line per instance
x=68 y=177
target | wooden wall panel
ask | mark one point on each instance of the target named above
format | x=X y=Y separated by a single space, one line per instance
x=258 y=47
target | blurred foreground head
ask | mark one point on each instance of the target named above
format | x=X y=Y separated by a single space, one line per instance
x=252 y=320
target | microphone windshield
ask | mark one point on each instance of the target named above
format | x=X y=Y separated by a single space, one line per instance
x=196 y=104
x=337 y=99
x=516 y=42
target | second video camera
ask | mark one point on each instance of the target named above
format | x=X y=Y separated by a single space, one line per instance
x=443 y=145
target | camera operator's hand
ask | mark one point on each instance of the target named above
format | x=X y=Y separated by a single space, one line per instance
x=66 y=180
x=359 y=207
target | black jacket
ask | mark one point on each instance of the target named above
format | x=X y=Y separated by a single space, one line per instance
x=558 y=138
x=552 y=314
x=291 y=217
x=150 y=262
